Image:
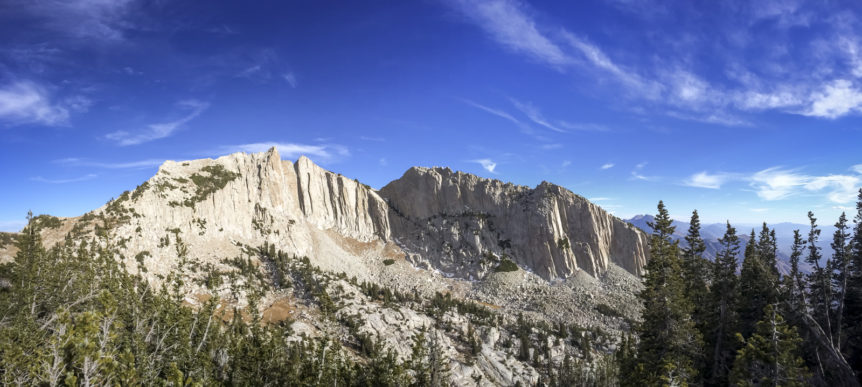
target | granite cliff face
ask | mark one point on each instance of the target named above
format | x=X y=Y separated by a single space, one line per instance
x=461 y=223
x=205 y=219
x=457 y=223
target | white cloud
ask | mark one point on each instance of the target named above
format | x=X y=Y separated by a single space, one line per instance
x=707 y=180
x=637 y=175
x=599 y=199
x=836 y=99
x=508 y=23
x=566 y=163
x=607 y=166
x=64 y=181
x=583 y=126
x=25 y=102
x=76 y=162
x=499 y=113
x=383 y=162
x=161 y=130
x=841 y=188
x=776 y=183
x=317 y=152
x=488 y=164
x=770 y=83
x=290 y=78
x=90 y=20
x=535 y=115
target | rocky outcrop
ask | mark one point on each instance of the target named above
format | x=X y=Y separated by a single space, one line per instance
x=461 y=223
x=457 y=223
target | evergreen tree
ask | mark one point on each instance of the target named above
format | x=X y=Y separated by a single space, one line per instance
x=819 y=281
x=723 y=300
x=840 y=276
x=770 y=357
x=669 y=342
x=696 y=271
x=852 y=316
x=758 y=280
x=793 y=284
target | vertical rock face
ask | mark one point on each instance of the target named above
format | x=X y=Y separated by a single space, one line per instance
x=460 y=224
x=477 y=222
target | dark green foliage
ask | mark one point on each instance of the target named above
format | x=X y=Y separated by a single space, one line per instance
x=819 y=281
x=73 y=315
x=669 y=342
x=721 y=342
x=506 y=265
x=215 y=178
x=852 y=319
x=7 y=238
x=758 y=280
x=563 y=243
x=388 y=262
x=770 y=357
x=42 y=222
x=696 y=275
x=607 y=310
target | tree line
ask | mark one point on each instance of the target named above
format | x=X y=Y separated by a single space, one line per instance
x=738 y=321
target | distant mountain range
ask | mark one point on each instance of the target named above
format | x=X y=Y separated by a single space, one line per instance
x=713 y=231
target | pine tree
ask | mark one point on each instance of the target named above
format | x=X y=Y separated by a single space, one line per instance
x=758 y=280
x=840 y=276
x=696 y=270
x=723 y=300
x=669 y=342
x=819 y=281
x=852 y=316
x=770 y=357
x=793 y=284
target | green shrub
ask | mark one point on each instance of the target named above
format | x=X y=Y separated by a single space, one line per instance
x=505 y=266
x=388 y=262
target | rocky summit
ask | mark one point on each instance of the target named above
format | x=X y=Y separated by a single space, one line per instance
x=537 y=263
x=457 y=223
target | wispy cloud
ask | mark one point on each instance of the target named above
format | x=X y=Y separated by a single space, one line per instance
x=778 y=183
x=707 y=180
x=829 y=90
x=488 y=164
x=290 y=78
x=77 y=162
x=318 y=152
x=533 y=113
x=26 y=102
x=499 y=113
x=583 y=126
x=160 y=130
x=599 y=199
x=638 y=175
x=835 y=100
x=90 y=20
x=509 y=23
x=64 y=181
x=607 y=166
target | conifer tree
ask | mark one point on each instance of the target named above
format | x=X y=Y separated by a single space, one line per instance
x=819 y=281
x=696 y=270
x=793 y=284
x=770 y=357
x=840 y=276
x=757 y=281
x=669 y=342
x=852 y=319
x=723 y=300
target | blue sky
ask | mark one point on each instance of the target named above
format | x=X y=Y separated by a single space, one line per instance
x=744 y=110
